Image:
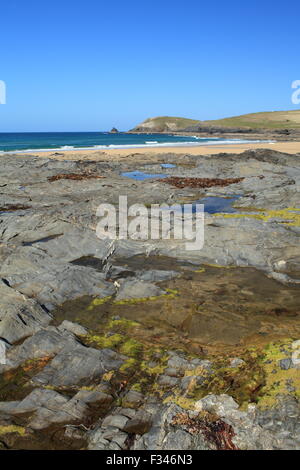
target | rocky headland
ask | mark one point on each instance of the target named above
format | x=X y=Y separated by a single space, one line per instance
x=141 y=344
x=278 y=125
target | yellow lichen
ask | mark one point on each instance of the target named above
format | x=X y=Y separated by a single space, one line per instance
x=105 y=341
x=200 y=270
x=11 y=428
x=182 y=401
x=156 y=370
x=89 y=388
x=278 y=381
x=129 y=364
x=108 y=376
x=121 y=323
x=170 y=293
x=136 y=387
x=289 y=216
x=97 y=301
x=201 y=371
x=219 y=266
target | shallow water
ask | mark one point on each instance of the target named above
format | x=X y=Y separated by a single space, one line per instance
x=218 y=307
x=141 y=176
x=168 y=165
x=213 y=204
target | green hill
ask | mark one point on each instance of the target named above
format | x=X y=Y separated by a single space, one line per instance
x=165 y=123
x=263 y=120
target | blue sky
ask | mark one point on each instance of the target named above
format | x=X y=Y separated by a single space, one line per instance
x=90 y=65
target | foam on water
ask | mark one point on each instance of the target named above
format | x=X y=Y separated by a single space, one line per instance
x=71 y=141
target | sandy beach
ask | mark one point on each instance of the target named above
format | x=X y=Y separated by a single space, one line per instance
x=152 y=152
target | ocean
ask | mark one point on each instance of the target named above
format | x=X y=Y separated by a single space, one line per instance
x=43 y=141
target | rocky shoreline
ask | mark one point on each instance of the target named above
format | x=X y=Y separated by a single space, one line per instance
x=278 y=135
x=144 y=345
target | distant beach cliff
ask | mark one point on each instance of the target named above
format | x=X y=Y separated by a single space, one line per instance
x=285 y=123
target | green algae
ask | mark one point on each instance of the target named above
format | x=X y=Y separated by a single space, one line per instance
x=221 y=266
x=182 y=401
x=218 y=295
x=121 y=324
x=128 y=365
x=98 y=301
x=200 y=270
x=259 y=379
x=170 y=293
x=137 y=387
x=131 y=348
x=104 y=341
x=154 y=370
x=115 y=336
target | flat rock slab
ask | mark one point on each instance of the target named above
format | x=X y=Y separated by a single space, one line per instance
x=135 y=289
x=74 y=365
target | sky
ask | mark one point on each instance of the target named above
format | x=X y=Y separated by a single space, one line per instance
x=91 y=65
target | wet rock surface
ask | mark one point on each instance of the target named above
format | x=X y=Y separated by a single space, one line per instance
x=139 y=344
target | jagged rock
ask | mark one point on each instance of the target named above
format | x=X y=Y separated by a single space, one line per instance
x=93 y=396
x=167 y=381
x=220 y=405
x=128 y=412
x=177 y=362
x=117 y=421
x=73 y=365
x=236 y=362
x=110 y=438
x=191 y=380
x=255 y=429
x=172 y=372
x=164 y=436
x=19 y=315
x=74 y=328
x=139 y=424
x=50 y=253
x=47 y=407
x=286 y=363
x=133 y=398
x=46 y=342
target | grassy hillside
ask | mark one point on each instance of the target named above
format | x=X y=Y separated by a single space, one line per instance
x=164 y=123
x=267 y=120
x=264 y=120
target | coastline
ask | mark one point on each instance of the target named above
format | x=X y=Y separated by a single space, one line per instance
x=129 y=153
x=146 y=311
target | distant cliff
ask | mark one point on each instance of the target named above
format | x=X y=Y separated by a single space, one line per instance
x=164 y=124
x=280 y=121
